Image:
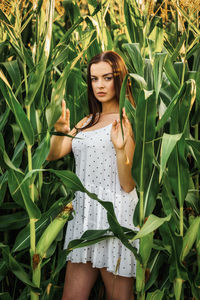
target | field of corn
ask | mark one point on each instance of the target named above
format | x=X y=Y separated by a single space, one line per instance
x=44 y=49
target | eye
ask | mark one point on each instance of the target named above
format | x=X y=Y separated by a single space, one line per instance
x=108 y=78
x=93 y=79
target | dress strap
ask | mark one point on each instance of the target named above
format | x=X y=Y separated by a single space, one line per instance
x=86 y=122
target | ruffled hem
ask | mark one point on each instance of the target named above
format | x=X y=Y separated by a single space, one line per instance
x=110 y=254
x=90 y=214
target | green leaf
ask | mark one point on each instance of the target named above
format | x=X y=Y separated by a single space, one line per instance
x=176 y=52
x=143 y=156
x=134 y=22
x=6 y=157
x=16 y=268
x=195 y=144
x=17 y=110
x=4 y=118
x=178 y=171
x=158 y=72
x=186 y=92
x=130 y=111
x=146 y=244
x=136 y=58
x=168 y=143
x=20 y=194
x=3 y=187
x=41 y=152
x=5 y=296
x=178 y=282
x=171 y=73
x=139 y=80
x=79 y=243
x=35 y=79
x=152 y=223
x=122 y=99
x=190 y=237
x=13 y=221
x=13 y=70
x=144 y=147
x=156 y=295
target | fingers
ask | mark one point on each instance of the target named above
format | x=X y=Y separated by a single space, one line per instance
x=115 y=124
x=126 y=123
x=124 y=115
x=63 y=109
x=63 y=123
x=68 y=118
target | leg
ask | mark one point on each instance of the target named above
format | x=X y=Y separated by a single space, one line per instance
x=117 y=287
x=79 y=280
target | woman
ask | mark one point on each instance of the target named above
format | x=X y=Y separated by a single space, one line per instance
x=103 y=163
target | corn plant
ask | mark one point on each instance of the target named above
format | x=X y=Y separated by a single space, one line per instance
x=33 y=83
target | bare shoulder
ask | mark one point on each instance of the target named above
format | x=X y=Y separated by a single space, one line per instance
x=83 y=121
x=79 y=125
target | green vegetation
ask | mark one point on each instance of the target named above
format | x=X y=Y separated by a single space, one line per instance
x=44 y=50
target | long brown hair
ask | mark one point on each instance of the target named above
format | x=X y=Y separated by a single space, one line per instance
x=119 y=72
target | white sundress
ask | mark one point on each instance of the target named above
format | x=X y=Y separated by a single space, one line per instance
x=96 y=167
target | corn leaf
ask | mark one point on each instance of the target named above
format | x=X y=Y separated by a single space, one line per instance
x=195 y=144
x=168 y=143
x=185 y=92
x=190 y=237
x=134 y=53
x=6 y=158
x=41 y=152
x=4 y=118
x=143 y=155
x=178 y=282
x=35 y=79
x=139 y=81
x=16 y=268
x=17 y=110
x=153 y=222
x=156 y=295
x=13 y=70
x=5 y=296
x=13 y=221
x=158 y=72
x=3 y=187
x=134 y=22
x=178 y=171
x=21 y=196
x=171 y=73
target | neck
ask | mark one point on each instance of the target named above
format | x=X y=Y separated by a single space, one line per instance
x=110 y=108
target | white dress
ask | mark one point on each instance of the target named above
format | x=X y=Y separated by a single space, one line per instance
x=96 y=167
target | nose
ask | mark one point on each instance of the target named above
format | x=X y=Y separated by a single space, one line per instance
x=100 y=83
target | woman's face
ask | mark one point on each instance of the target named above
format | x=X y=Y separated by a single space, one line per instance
x=102 y=81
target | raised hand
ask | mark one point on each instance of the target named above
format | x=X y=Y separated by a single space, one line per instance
x=63 y=123
x=116 y=133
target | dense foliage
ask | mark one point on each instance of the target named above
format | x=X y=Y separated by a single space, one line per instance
x=44 y=49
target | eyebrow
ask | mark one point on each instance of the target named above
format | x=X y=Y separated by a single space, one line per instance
x=102 y=75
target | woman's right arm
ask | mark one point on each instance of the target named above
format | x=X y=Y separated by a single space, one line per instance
x=62 y=145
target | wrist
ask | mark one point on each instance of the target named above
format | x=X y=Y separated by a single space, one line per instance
x=122 y=155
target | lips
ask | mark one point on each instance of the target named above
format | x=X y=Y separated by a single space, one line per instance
x=101 y=94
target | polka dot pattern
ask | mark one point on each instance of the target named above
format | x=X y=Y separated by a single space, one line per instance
x=96 y=166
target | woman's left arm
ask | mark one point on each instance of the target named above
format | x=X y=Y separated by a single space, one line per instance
x=124 y=151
